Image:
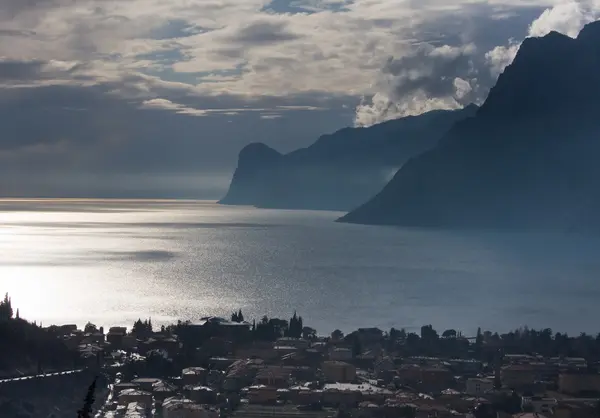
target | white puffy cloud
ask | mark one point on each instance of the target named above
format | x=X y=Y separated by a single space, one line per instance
x=565 y=16
x=501 y=56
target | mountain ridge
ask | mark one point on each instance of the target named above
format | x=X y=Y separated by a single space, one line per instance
x=338 y=171
x=527 y=158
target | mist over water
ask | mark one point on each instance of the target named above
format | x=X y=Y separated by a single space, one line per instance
x=111 y=262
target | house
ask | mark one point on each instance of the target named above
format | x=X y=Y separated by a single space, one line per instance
x=262 y=394
x=201 y=394
x=129 y=342
x=465 y=366
x=128 y=396
x=340 y=354
x=194 y=376
x=298 y=343
x=339 y=371
x=214 y=326
x=351 y=394
x=370 y=335
x=163 y=390
x=93 y=338
x=576 y=383
x=241 y=373
x=518 y=376
x=539 y=405
x=220 y=363
x=186 y=408
x=431 y=378
x=260 y=350
x=119 y=387
x=170 y=344
x=279 y=411
x=115 y=335
x=275 y=376
x=135 y=410
x=478 y=387
x=67 y=329
x=384 y=366
x=567 y=409
x=145 y=383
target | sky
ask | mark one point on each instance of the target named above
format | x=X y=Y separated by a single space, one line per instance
x=154 y=98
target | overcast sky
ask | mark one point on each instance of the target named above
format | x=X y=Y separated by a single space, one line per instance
x=156 y=97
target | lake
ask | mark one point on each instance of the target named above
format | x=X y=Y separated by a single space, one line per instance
x=114 y=261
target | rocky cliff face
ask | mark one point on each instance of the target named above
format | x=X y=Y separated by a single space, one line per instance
x=528 y=159
x=339 y=171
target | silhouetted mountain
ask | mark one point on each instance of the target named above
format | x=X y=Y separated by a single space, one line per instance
x=340 y=170
x=528 y=159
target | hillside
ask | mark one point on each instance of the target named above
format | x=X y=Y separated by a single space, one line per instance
x=339 y=171
x=528 y=159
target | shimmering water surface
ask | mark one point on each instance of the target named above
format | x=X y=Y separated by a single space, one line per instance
x=110 y=262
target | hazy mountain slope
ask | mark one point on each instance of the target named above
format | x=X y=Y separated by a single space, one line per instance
x=340 y=170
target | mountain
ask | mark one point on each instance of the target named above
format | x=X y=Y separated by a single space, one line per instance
x=339 y=171
x=528 y=159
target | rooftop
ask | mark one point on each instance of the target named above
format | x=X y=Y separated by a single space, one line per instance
x=354 y=387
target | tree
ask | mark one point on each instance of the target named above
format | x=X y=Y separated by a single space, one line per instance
x=337 y=335
x=142 y=328
x=237 y=316
x=295 y=327
x=479 y=338
x=87 y=411
x=309 y=333
x=90 y=328
x=449 y=333
x=428 y=334
x=6 y=310
x=412 y=340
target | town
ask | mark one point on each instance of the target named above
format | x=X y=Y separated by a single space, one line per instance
x=230 y=367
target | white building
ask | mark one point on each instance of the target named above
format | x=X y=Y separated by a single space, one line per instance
x=135 y=410
x=185 y=408
x=478 y=387
x=128 y=396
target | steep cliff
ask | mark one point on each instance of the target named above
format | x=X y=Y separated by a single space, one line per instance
x=339 y=171
x=528 y=159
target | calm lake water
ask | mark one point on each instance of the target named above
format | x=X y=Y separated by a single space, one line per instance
x=111 y=262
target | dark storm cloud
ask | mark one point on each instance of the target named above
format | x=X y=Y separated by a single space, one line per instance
x=447 y=63
x=430 y=70
x=263 y=33
x=456 y=48
x=20 y=70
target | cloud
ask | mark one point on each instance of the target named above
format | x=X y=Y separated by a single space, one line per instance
x=118 y=86
x=428 y=78
x=263 y=32
x=501 y=56
x=164 y=104
x=567 y=17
